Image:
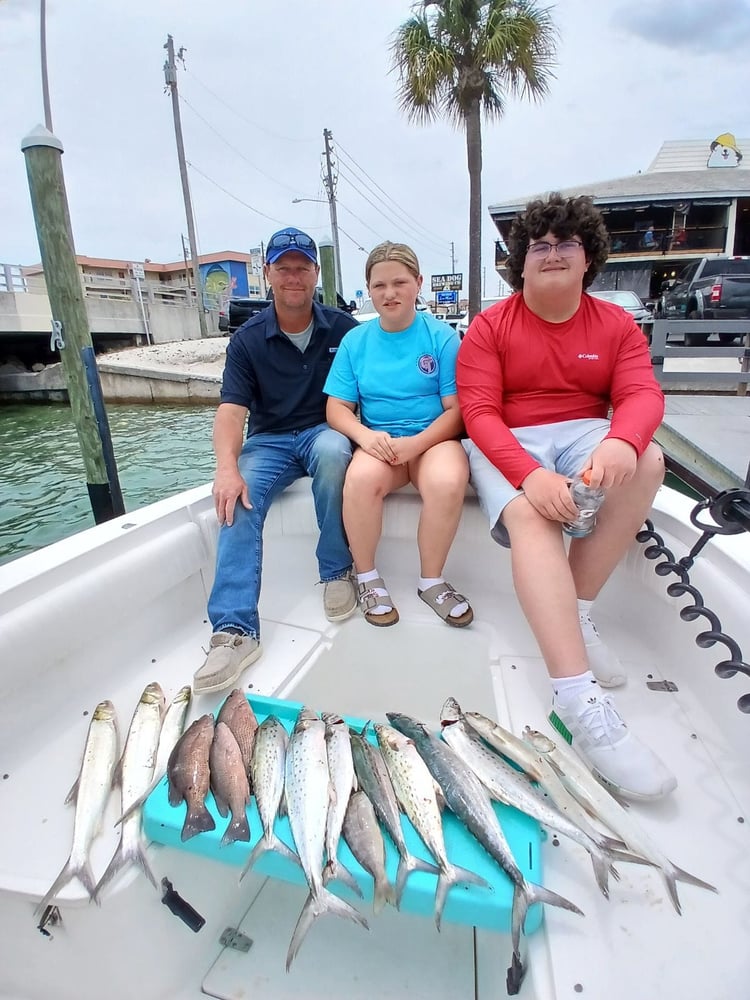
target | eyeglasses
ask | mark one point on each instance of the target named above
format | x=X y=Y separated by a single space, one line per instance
x=283 y=240
x=568 y=248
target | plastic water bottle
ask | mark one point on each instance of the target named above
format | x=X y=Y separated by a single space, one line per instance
x=588 y=499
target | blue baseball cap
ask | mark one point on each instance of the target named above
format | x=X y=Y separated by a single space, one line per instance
x=291 y=239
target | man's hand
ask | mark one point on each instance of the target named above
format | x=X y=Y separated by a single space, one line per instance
x=549 y=494
x=612 y=463
x=379 y=444
x=229 y=486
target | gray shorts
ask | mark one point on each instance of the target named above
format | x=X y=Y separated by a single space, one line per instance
x=562 y=447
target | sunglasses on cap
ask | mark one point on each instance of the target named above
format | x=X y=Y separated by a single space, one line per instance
x=282 y=241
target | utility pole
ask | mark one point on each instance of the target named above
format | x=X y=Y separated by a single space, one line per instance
x=43 y=53
x=453 y=257
x=170 y=76
x=330 y=185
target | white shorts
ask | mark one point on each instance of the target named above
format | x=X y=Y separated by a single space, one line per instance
x=562 y=447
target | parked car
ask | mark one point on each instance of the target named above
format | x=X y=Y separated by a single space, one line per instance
x=463 y=324
x=367 y=310
x=241 y=308
x=629 y=301
x=710 y=288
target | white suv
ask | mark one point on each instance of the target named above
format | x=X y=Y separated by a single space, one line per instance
x=463 y=324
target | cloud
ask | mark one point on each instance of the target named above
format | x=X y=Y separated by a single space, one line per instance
x=692 y=26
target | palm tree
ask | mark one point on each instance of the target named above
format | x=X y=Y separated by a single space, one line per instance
x=464 y=58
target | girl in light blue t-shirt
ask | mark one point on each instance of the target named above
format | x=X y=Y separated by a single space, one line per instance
x=400 y=370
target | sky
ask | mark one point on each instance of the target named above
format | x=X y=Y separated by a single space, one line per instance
x=260 y=83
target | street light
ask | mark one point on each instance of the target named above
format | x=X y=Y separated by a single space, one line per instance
x=334 y=232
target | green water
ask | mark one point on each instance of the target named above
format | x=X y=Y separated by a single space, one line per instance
x=160 y=450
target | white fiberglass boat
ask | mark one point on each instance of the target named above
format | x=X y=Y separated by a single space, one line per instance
x=103 y=613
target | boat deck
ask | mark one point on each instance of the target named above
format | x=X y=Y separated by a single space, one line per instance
x=87 y=622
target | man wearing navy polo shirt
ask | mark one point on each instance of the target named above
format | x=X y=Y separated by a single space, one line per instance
x=277 y=363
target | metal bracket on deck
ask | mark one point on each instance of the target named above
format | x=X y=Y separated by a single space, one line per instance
x=232 y=938
x=662 y=686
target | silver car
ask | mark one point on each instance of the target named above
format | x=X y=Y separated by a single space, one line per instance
x=629 y=301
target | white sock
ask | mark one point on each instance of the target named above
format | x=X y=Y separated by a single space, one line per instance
x=368 y=577
x=590 y=634
x=567 y=689
x=425 y=582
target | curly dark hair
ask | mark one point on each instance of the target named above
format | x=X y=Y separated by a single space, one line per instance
x=563 y=217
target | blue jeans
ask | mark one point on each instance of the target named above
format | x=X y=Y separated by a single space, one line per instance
x=269 y=463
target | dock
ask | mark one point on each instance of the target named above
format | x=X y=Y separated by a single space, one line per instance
x=706 y=439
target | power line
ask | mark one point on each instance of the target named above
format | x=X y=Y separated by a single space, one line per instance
x=248 y=121
x=362 y=221
x=234 y=196
x=234 y=149
x=403 y=210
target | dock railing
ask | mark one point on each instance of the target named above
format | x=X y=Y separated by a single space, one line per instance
x=661 y=350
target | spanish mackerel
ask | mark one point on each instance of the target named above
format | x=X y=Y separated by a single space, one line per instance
x=308 y=793
x=465 y=795
x=341 y=772
x=90 y=793
x=506 y=784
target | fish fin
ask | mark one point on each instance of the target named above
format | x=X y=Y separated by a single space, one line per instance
x=602 y=871
x=221 y=803
x=271 y=843
x=174 y=795
x=237 y=829
x=197 y=821
x=118 y=861
x=316 y=906
x=67 y=874
x=539 y=894
x=72 y=795
x=454 y=876
x=408 y=864
x=137 y=803
x=282 y=809
x=673 y=875
x=384 y=893
x=335 y=871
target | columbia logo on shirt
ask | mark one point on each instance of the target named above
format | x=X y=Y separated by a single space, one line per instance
x=588 y=357
x=427 y=364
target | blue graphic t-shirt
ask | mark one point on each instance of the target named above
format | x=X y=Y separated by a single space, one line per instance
x=397 y=379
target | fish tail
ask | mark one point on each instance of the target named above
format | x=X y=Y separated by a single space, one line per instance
x=335 y=871
x=408 y=864
x=237 y=829
x=673 y=875
x=539 y=894
x=385 y=892
x=602 y=868
x=120 y=859
x=269 y=843
x=66 y=875
x=448 y=878
x=198 y=820
x=315 y=906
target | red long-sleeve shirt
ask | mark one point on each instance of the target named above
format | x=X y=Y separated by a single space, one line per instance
x=517 y=370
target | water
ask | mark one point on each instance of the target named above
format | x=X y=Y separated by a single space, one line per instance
x=160 y=450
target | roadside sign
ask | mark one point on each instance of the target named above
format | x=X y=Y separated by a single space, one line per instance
x=446 y=298
x=440 y=282
x=138 y=271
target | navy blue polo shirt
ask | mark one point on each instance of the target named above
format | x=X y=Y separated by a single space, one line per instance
x=280 y=386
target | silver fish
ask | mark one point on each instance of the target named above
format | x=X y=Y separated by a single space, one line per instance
x=415 y=789
x=308 y=793
x=188 y=773
x=237 y=713
x=596 y=798
x=341 y=771
x=135 y=771
x=466 y=797
x=362 y=833
x=374 y=780
x=267 y=770
x=172 y=728
x=229 y=783
x=506 y=784
x=90 y=793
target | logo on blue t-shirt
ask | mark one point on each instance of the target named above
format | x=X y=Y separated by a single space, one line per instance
x=427 y=364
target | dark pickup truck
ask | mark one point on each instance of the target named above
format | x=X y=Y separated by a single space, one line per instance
x=710 y=288
x=240 y=309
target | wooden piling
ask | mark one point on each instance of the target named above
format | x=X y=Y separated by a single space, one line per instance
x=328 y=271
x=43 y=153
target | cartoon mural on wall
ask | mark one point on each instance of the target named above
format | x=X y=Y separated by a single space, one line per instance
x=724 y=152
